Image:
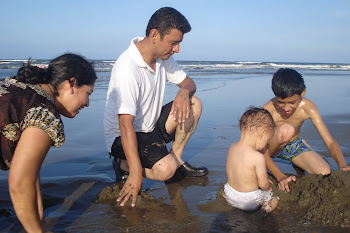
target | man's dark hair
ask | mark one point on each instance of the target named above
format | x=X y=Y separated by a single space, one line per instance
x=287 y=82
x=165 y=19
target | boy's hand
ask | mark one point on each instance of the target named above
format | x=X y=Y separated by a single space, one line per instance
x=283 y=184
x=347 y=168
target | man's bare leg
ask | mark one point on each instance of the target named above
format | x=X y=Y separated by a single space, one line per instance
x=162 y=170
x=165 y=168
x=183 y=133
x=184 y=130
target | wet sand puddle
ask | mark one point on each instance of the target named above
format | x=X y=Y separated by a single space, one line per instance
x=315 y=204
x=87 y=204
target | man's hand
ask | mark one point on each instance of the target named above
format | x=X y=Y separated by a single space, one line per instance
x=283 y=183
x=181 y=106
x=131 y=187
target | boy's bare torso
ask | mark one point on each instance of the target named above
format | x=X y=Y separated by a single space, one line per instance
x=296 y=119
x=241 y=167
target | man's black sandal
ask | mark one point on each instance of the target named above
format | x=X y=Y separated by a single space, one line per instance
x=120 y=174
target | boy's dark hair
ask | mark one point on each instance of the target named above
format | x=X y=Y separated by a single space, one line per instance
x=255 y=118
x=287 y=82
x=165 y=19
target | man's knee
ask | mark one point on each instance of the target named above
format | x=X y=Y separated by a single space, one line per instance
x=196 y=106
x=164 y=171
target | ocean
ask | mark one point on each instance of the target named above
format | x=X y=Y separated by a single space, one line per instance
x=206 y=69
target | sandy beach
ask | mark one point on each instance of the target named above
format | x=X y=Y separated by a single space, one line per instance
x=73 y=176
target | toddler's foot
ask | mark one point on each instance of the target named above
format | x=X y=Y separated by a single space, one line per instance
x=269 y=206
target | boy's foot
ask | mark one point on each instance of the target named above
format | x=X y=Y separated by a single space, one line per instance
x=120 y=174
x=270 y=205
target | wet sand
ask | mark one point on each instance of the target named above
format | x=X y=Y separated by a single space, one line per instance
x=74 y=176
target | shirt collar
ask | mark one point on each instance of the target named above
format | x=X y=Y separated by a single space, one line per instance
x=138 y=57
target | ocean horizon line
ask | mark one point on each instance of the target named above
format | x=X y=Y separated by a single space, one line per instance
x=185 y=60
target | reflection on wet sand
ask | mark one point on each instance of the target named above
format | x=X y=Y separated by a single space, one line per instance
x=155 y=214
x=52 y=218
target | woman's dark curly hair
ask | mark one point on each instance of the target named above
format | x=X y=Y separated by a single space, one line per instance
x=59 y=70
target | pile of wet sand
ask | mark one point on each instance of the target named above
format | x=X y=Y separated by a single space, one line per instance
x=318 y=199
x=313 y=199
x=109 y=194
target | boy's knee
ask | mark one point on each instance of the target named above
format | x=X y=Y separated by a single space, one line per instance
x=324 y=167
x=286 y=132
x=326 y=170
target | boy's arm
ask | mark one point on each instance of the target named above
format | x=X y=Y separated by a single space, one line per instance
x=272 y=167
x=281 y=178
x=332 y=145
x=261 y=174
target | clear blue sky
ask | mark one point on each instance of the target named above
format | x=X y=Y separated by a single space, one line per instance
x=231 y=30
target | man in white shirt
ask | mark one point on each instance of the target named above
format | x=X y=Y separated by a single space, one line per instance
x=137 y=127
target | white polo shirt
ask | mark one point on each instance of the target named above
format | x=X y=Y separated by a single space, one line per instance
x=135 y=89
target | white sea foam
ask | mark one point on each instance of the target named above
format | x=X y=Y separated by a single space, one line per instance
x=266 y=65
x=10 y=66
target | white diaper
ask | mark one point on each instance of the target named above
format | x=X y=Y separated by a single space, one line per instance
x=246 y=200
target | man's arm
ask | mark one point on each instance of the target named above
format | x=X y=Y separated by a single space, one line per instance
x=332 y=145
x=189 y=85
x=181 y=105
x=129 y=141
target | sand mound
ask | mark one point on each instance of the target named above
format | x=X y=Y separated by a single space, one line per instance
x=314 y=200
x=110 y=193
x=319 y=199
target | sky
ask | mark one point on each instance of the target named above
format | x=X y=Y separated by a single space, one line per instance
x=222 y=30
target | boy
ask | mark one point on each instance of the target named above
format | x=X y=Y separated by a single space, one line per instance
x=247 y=186
x=289 y=110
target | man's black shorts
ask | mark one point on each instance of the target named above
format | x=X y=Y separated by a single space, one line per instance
x=151 y=146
